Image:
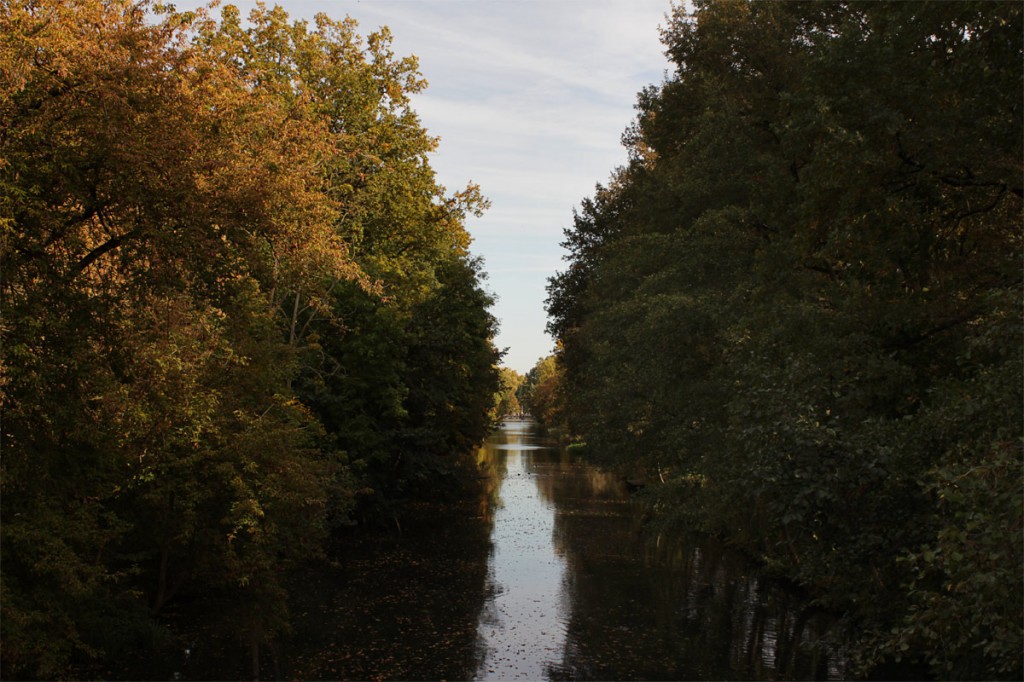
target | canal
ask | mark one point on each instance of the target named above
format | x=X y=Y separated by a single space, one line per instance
x=579 y=590
x=548 y=576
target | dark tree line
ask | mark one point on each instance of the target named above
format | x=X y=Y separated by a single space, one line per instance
x=799 y=306
x=238 y=312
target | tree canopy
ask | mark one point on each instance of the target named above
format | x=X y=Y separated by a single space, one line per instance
x=799 y=306
x=238 y=309
x=540 y=393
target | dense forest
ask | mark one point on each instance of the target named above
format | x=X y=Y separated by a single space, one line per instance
x=796 y=312
x=239 y=316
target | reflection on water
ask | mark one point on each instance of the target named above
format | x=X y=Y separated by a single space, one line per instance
x=580 y=592
x=547 y=576
x=522 y=626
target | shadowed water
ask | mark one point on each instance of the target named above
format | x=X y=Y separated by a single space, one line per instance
x=548 y=575
x=580 y=591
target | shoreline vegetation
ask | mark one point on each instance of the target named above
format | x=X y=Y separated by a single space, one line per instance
x=243 y=331
x=796 y=313
x=239 y=316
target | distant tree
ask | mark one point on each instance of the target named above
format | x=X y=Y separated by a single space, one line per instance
x=540 y=392
x=506 y=400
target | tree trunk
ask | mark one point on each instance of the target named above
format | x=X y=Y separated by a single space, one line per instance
x=254 y=646
x=161 y=581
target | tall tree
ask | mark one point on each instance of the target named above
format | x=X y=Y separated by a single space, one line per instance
x=186 y=205
x=809 y=264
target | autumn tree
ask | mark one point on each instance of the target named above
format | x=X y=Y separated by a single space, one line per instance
x=506 y=400
x=394 y=368
x=540 y=393
x=190 y=211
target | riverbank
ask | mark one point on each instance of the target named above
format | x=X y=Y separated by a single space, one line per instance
x=549 y=573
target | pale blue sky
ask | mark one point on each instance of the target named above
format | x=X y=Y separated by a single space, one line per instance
x=530 y=99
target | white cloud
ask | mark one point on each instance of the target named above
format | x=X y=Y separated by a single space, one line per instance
x=597 y=45
x=504 y=123
x=529 y=98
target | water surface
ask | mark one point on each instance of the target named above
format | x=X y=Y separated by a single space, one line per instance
x=579 y=590
x=522 y=626
x=548 y=575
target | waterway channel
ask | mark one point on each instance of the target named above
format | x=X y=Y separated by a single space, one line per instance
x=581 y=591
x=549 y=576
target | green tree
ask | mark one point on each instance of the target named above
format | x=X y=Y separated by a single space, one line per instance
x=506 y=400
x=794 y=287
x=191 y=213
x=380 y=357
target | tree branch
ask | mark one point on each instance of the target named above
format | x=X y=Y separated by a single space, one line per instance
x=103 y=248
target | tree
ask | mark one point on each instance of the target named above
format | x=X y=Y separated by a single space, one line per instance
x=506 y=400
x=779 y=300
x=189 y=210
x=540 y=393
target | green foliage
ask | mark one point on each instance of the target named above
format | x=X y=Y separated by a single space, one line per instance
x=540 y=393
x=798 y=305
x=224 y=259
x=453 y=364
x=963 y=595
x=506 y=400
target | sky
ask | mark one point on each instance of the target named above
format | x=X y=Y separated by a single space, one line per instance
x=530 y=99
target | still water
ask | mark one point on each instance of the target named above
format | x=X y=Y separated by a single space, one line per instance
x=579 y=591
x=523 y=625
x=548 y=576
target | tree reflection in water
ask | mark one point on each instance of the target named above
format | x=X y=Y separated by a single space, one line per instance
x=522 y=626
x=634 y=607
x=548 y=575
